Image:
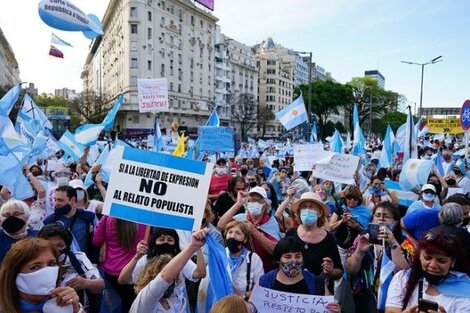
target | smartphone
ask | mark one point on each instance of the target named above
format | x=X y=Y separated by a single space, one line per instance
x=426 y=305
x=373 y=231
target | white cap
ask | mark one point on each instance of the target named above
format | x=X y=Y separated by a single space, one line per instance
x=76 y=183
x=428 y=187
x=259 y=190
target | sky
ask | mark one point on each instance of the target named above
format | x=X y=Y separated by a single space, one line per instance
x=346 y=38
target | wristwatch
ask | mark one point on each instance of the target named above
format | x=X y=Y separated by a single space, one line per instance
x=394 y=246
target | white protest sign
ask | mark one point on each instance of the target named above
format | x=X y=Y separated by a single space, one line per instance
x=157 y=189
x=153 y=95
x=53 y=165
x=273 y=301
x=336 y=167
x=306 y=155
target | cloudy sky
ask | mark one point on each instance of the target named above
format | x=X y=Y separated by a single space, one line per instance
x=346 y=37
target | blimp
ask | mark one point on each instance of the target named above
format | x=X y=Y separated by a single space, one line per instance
x=63 y=15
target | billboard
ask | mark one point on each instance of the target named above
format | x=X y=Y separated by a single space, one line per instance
x=207 y=3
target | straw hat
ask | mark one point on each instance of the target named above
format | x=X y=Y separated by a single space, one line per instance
x=311 y=197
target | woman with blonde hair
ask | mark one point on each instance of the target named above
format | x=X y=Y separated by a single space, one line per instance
x=151 y=270
x=233 y=304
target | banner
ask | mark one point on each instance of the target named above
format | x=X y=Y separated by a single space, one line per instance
x=336 y=167
x=444 y=126
x=306 y=155
x=218 y=139
x=153 y=95
x=273 y=301
x=157 y=189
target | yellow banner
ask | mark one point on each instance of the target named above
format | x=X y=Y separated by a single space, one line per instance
x=444 y=126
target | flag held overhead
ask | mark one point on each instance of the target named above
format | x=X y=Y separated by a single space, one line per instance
x=294 y=114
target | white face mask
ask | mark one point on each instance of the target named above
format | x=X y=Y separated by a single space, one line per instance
x=254 y=208
x=221 y=170
x=80 y=195
x=38 y=283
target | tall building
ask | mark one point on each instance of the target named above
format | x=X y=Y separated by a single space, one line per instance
x=69 y=94
x=152 y=39
x=301 y=74
x=9 y=71
x=378 y=76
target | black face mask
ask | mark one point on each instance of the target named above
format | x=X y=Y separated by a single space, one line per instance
x=13 y=224
x=63 y=210
x=165 y=248
x=450 y=181
x=234 y=245
x=465 y=221
x=434 y=279
x=457 y=172
x=244 y=172
x=253 y=184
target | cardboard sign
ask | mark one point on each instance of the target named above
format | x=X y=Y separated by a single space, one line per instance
x=153 y=95
x=336 y=167
x=306 y=155
x=218 y=139
x=273 y=301
x=444 y=126
x=157 y=189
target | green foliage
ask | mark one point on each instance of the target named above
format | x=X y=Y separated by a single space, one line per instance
x=330 y=127
x=395 y=119
x=48 y=100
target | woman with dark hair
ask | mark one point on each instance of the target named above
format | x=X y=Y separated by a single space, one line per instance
x=290 y=275
x=431 y=279
x=271 y=194
x=227 y=199
x=365 y=256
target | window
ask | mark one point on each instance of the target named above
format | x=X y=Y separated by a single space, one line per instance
x=133 y=12
x=162 y=38
x=179 y=87
x=163 y=5
x=133 y=45
x=133 y=28
x=271 y=71
x=149 y=16
x=171 y=70
x=271 y=62
x=134 y=63
x=192 y=20
x=133 y=80
x=201 y=23
x=162 y=21
x=162 y=70
x=171 y=40
x=171 y=9
x=180 y=58
x=149 y=33
x=149 y=65
x=171 y=86
x=135 y=119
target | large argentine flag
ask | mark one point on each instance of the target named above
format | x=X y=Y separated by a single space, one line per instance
x=415 y=172
x=294 y=114
x=386 y=275
x=70 y=146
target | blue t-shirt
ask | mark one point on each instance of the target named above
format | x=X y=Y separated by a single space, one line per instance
x=419 y=204
x=6 y=242
x=419 y=221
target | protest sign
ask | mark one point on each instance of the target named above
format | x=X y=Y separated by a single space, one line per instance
x=153 y=95
x=336 y=167
x=444 y=125
x=157 y=189
x=219 y=139
x=306 y=155
x=273 y=301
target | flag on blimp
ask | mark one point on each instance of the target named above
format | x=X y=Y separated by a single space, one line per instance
x=293 y=115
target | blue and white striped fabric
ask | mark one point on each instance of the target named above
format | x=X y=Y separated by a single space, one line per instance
x=359 y=141
x=386 y=154
x=410 y=148
x=313 y=135
x=31 y=109
x=336 y=144
x=70 y=146
x=386 y=275
x=10 y=141
x=415 y=172
x=405 y=197
x=438 y=163
x=9 y=99
x=293 y=115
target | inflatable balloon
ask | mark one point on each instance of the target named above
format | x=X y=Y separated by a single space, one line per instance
x=63 y=15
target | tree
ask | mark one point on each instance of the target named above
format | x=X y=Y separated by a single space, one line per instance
x=92 y=107
x=370 y=97
x=265 y=116
x=327 y=98
x=243 y=111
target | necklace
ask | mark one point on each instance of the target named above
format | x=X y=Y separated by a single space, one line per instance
x=306 y=246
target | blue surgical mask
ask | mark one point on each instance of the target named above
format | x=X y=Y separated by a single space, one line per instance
x=308 y=217
x=428 y=196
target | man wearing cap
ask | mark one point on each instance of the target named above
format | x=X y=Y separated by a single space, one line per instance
x=422 y=214
x=219 y=180
x=264 y=228
x=83 y=202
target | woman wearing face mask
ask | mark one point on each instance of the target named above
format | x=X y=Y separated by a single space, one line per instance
x=227 y=199
x=431 y=278
x=377 y=193
x=290 y=276
x=162 y=294
x=244 y=267
x=319 y=189
x=120 y=238
x=441 y=185
x=264 y=228
x=321 y=256
x=28 y=280
x=78 y=271
x=427 y=199
x=14 y=215
x=83 y=202
x=365 y=256
x=271 y=194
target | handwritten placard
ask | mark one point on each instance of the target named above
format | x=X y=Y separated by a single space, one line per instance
x=305 y=156
x=336 y=167
x=153 y=95
x=218 y=139
x=273 y=301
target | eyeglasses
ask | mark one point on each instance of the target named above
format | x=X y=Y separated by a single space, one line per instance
x=384 y=216
x=253 y=309
x=15 y=214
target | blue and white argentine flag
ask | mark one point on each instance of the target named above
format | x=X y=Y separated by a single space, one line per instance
x=294 y=114
x=70 y=146
x=415 y=172
x=386 y=275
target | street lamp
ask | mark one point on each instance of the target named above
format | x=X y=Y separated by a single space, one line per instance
x=309 y=107
x=435 y=60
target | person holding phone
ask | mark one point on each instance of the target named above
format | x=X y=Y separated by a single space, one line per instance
x=363 y=264
x=430 y=285
x=377 y=192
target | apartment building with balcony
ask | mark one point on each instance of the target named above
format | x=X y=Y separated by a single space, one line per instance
x=9 y=70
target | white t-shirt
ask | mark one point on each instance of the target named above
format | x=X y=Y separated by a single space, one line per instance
x=397 y=290
x=239 y=276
